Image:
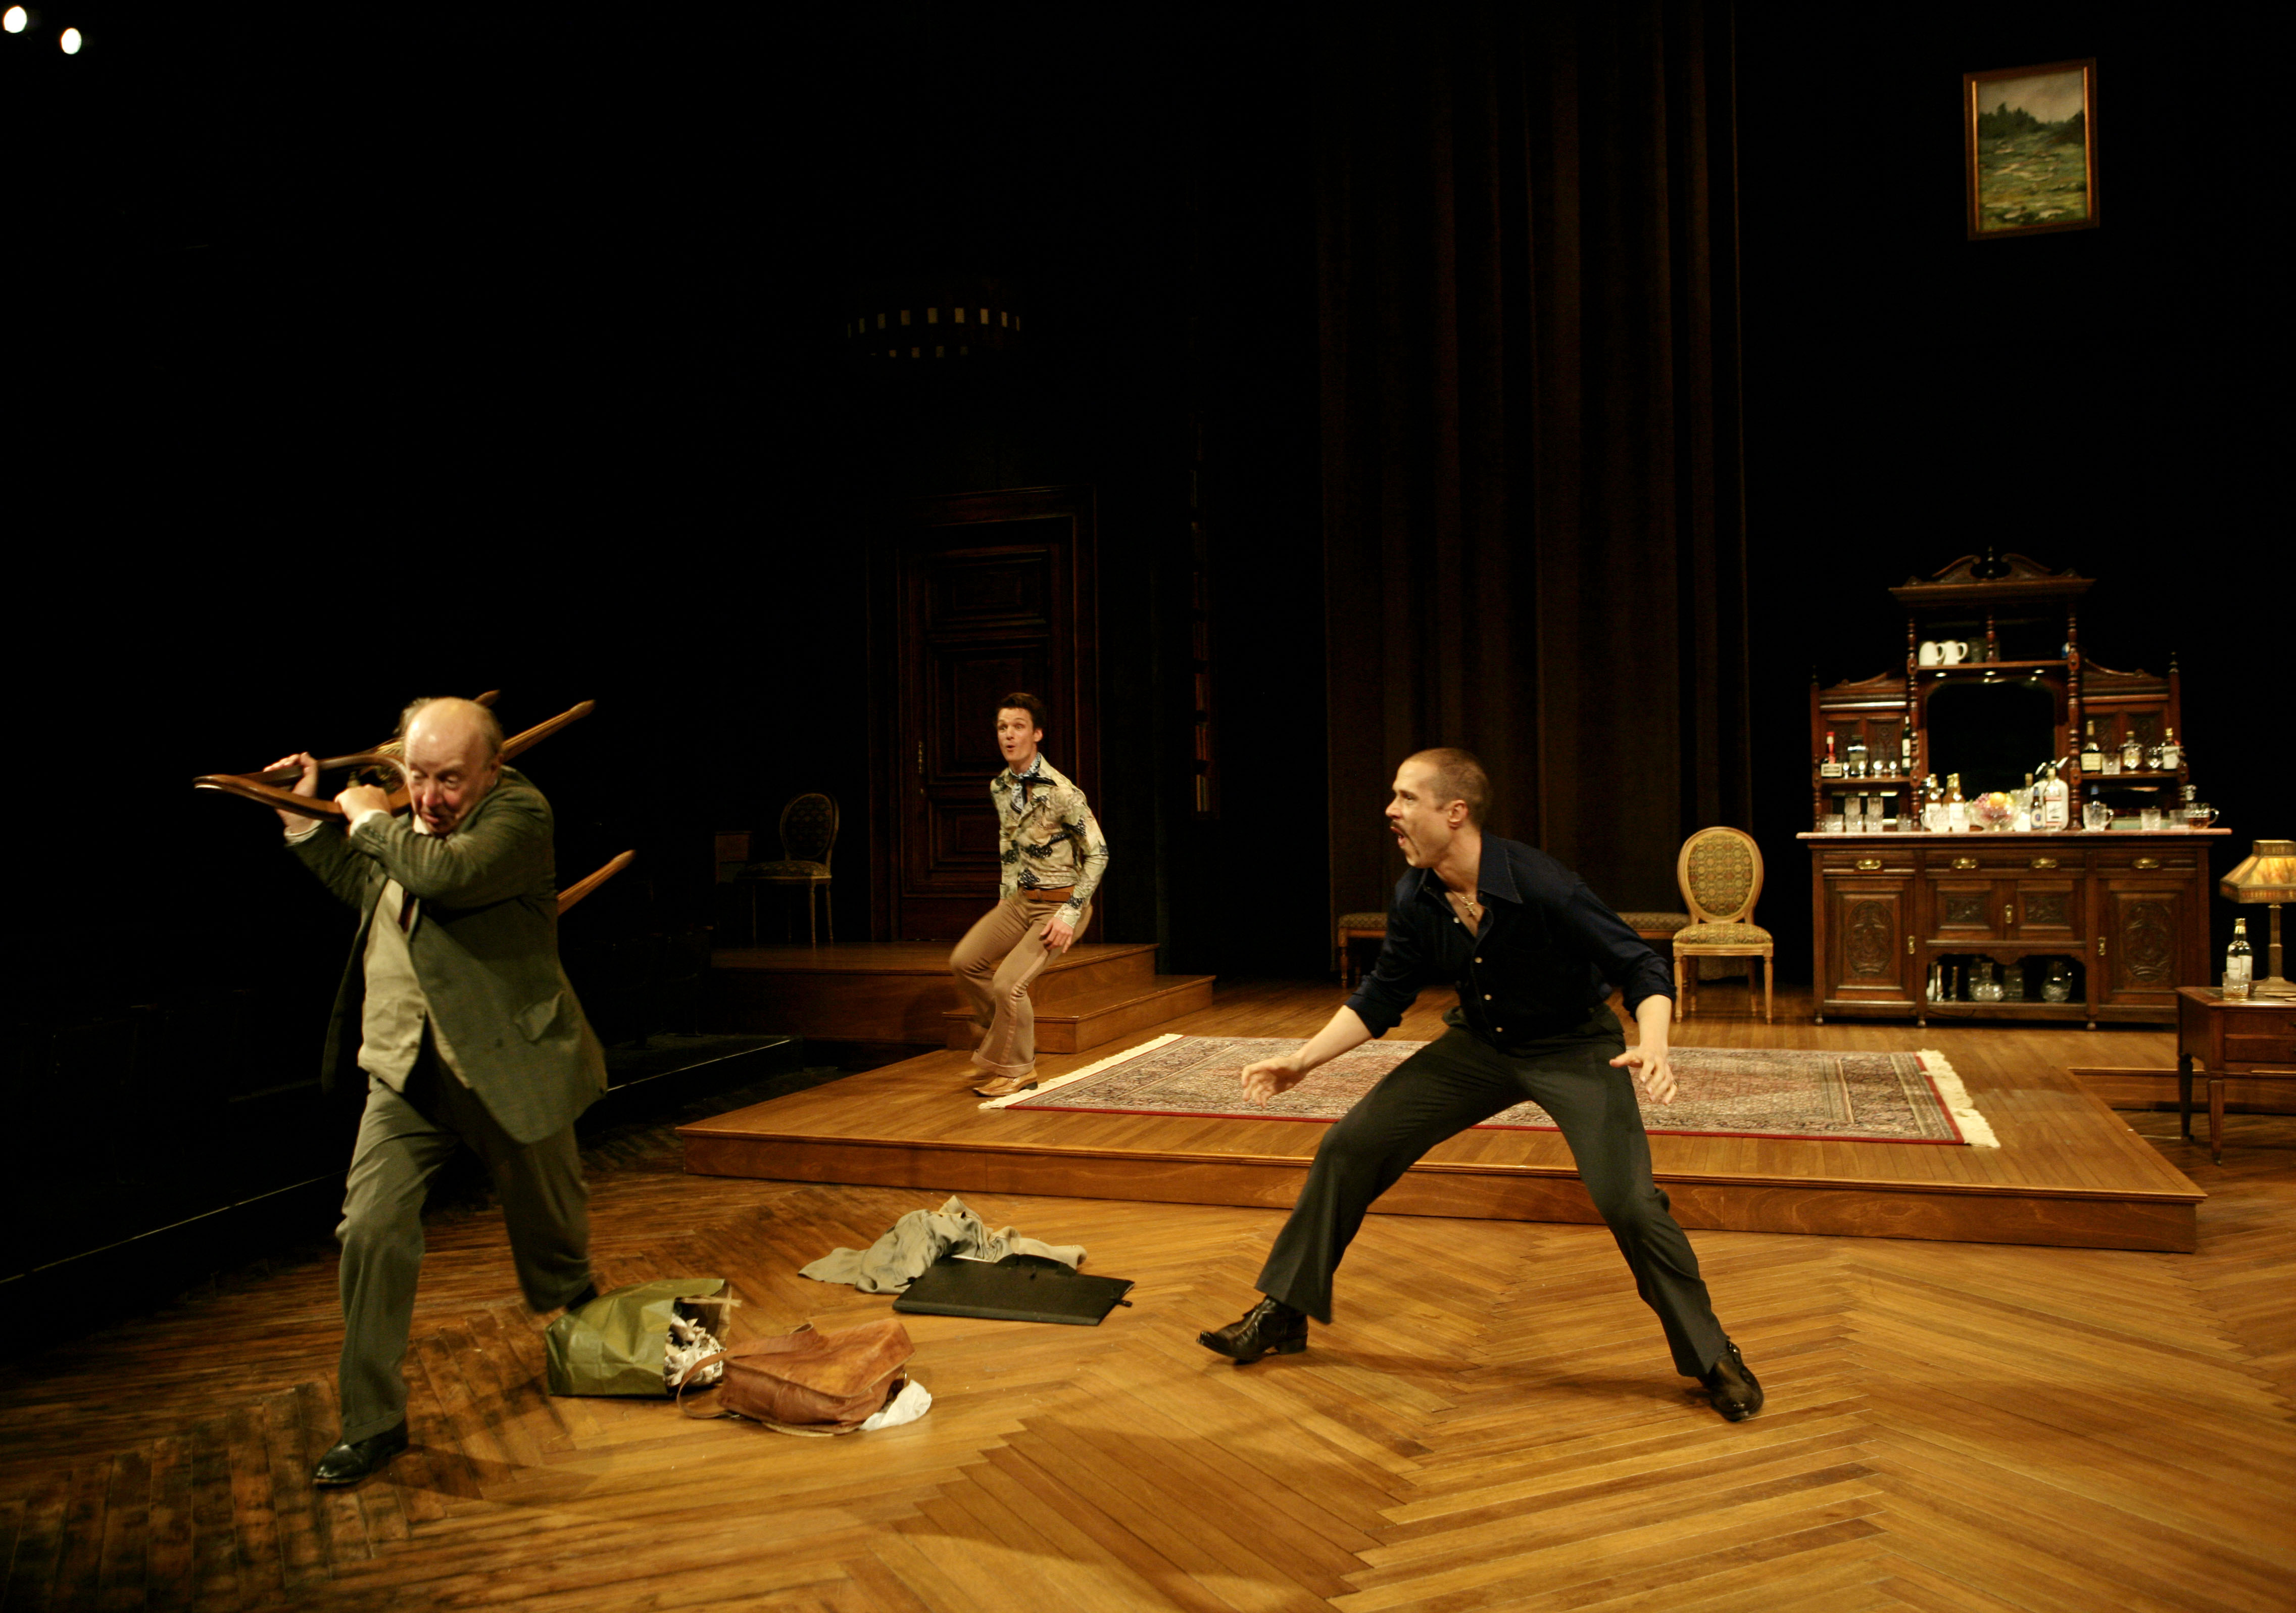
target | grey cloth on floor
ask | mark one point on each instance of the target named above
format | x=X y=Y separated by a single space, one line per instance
x=921 y=1236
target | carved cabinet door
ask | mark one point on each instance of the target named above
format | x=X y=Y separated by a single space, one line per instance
x=1868 y=925
x=2045 y=908
x=1968 y=909
x=2140 y=937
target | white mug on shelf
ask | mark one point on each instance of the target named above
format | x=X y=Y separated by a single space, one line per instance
x=1929 y=656
x=1953 y=652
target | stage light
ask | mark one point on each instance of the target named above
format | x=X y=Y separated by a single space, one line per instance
x=15 y=19
x=69 y=41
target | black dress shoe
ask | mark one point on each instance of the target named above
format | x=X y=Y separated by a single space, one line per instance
x=589 y=1292
x=351 y=1460
x=1269 y=1325
x=1731 y=1383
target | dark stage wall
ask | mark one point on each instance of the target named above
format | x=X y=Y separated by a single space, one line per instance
x=379 y=367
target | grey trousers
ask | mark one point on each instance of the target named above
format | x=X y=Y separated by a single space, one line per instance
x=1458 y=1081
x=403 y=1140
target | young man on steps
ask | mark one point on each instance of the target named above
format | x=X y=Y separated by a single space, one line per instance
x=1053 y=856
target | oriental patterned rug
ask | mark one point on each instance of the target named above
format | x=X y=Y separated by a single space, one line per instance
x=1723 y=1092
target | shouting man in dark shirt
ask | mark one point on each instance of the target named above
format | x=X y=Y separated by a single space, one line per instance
x=1534 y=955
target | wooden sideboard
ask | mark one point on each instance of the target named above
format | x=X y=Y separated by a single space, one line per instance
x=2128 y=910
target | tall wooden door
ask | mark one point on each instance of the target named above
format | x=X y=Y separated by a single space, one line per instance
x=975 y=595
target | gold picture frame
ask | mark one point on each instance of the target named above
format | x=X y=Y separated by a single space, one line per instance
x=2029 y=139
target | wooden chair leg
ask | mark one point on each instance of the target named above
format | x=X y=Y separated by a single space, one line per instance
x=828 y=913
x=1679 y=988
x=1769 y=981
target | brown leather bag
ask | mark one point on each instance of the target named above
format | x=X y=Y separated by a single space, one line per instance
x=807 y=1381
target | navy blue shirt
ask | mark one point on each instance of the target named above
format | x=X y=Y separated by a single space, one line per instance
x=1547 y=956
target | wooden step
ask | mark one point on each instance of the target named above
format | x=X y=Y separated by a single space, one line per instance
x=1079 y=1024
x=891 y=992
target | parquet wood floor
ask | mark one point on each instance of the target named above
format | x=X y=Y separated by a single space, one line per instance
x=1491 y=1423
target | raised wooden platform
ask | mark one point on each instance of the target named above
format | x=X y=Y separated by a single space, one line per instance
x=2068 y=1171
x=881 y=992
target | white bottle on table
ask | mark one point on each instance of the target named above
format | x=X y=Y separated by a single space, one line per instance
x=2240 y=963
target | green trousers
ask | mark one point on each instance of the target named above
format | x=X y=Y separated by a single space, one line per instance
x=1458 y=1081
x=403 y=1140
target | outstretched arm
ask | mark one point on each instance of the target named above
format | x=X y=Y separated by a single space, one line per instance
x=1647 y=1058
x=1270 y=1076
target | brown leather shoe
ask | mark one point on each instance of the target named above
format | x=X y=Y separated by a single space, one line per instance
x=1730 y=1382
x=1271 y=1325
x=1004 y=1086
x=350 y=1460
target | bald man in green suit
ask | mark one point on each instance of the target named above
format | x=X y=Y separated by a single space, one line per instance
x=456 y=1014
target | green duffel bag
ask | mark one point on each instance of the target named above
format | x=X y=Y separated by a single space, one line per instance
x=617 y=1344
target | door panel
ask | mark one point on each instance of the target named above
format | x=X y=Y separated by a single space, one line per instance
x=976 y=596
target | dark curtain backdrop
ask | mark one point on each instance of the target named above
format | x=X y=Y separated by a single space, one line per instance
x=1534 y=537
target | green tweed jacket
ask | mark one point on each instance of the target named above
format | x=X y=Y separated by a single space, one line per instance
x=484 y=947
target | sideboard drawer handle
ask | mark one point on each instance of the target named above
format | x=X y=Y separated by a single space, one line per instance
x=1869 y=865
x=2145 y=865
x=1964 y=863
x=2045 y=862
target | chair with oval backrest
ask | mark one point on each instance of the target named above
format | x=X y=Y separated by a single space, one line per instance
x=808 y=833
x=1720 y=872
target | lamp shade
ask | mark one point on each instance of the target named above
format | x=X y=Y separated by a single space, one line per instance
x=2269 y=873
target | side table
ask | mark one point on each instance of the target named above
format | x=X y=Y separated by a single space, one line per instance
x=2239 y=1036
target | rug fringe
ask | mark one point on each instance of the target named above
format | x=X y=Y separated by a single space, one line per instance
x=1043 y=1087
x=1976 y=1131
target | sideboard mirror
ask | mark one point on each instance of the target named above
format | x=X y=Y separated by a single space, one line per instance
x=1992 y=732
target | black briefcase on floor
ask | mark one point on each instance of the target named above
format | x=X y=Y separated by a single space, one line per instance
x=1019 y=1287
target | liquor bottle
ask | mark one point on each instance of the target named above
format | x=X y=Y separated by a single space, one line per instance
x=2092 y=758
x=2022 y=822
x=1829 y=767
x=2056 y=806
x=1956 y=810
x=1906 y=754
x=1856 y=755
x=2132 y=755
x=2239 y=962
x=2171 y=754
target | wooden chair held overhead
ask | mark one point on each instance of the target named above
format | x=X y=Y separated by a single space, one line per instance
x=1720 y=872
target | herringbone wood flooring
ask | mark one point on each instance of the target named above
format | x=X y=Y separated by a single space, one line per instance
x=1492 y=1423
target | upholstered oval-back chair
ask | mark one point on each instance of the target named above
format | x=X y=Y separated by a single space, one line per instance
x=808 y=833
x=1720 y=872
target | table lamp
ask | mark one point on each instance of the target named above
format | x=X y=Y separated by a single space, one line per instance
x=2268 y=875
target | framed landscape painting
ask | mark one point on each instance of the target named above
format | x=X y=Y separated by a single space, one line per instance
x=2031 y=139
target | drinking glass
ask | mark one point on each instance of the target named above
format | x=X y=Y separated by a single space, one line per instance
x=2096 y=815
x=1832 y=824
x=2149 y=819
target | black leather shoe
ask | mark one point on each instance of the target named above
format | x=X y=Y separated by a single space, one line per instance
x=1271 y=1325
x=351 y=1460
x=589 y=1292
x=1731 y=1383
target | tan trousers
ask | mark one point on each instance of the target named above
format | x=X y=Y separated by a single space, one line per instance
x=995 y=965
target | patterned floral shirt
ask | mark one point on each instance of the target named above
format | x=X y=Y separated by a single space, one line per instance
x=1054 y=841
